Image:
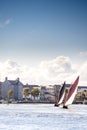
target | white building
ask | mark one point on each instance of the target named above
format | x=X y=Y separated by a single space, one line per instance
x=47 y=93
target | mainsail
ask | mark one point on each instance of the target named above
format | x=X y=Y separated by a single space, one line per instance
x=61 y=95
x=72 y=92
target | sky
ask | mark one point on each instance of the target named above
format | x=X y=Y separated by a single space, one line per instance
x=43 y=41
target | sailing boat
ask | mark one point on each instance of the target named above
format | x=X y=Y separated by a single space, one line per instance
x=61 y=95
x=71 y=94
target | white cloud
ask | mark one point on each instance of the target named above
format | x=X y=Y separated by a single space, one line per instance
x=5 y=23
x=53 y=71
x=83 y=53
x=83 y=72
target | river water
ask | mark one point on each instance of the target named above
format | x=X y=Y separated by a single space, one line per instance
x=42 y=117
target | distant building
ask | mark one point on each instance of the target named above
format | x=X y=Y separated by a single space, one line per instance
x=15 y=85
x=42 y=92
x=0 y=89
x=82 y=88
x=51 y=92
x=47 y=93
x=56 y=91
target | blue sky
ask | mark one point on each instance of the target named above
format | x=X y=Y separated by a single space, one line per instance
x=32 y=31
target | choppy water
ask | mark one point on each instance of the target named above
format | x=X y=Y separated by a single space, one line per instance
x=42 y=117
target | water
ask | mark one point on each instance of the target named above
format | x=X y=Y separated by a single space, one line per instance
x=42 y=117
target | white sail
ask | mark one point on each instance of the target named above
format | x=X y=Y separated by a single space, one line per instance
x=71 y=98
x=61 y=94
x=71 y=94
x=61 y=100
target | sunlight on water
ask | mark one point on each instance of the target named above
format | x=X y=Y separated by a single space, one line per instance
x=42 y=117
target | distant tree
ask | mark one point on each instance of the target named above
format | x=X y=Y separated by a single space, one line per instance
x=10 y=93
x=35 y=92
x=86 y=93
x=26 y=92
x=83 y=95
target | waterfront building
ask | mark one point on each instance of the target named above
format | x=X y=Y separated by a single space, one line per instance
x=0 y=89
x=47 y=93
x=15 y=85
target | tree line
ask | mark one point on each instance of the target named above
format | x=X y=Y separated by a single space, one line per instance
x=26 y=92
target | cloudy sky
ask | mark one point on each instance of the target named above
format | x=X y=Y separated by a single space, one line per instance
x=43 y=41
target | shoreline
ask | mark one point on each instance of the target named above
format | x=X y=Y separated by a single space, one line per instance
x=39 y=102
